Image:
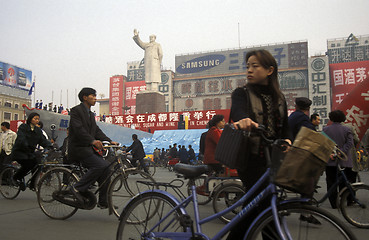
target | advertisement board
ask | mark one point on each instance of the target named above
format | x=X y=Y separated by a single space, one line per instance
x=116 y=95
x=355 y=106
x=289 y=55
x=344 y=78
x=166 y=120
x=350 y=49
x=130 y=91
x=136 y=71
x=14 y=76
x=319 y=88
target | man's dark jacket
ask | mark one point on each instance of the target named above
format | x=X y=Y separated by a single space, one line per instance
x=137 y=150
x=82 y=132
x=298 y=119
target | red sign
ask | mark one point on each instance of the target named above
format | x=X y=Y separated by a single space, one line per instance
x=131 y=89
x=344 y=78
x=166 y=120
x=116 y=95
x=356 y=107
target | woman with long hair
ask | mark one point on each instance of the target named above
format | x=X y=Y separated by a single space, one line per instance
x=28 y=137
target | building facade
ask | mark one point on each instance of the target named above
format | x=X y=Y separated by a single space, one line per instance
x=11 y=102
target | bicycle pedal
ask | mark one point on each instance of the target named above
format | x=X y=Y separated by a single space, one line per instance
x=185 y=220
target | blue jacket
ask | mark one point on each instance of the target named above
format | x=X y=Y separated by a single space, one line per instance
x=343 y=137
x=298 y=119
x=183 y=155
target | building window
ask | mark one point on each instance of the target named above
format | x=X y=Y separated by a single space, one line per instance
x=16 y=116
x=16 y=105
x=333 y=45
x=7 y=104
x=7 y=116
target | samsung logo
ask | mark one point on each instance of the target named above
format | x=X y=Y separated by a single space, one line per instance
x=200 y=64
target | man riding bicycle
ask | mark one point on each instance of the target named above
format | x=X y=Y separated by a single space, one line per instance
x=84 y=137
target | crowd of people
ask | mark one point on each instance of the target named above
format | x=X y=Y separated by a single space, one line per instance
x=260 y=101
x=49 y=107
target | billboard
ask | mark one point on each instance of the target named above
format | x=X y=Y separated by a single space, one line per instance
x=351 y=49
x=166 y=120
x=130 y=91
x=289 y=55
x=13 y=76
x=344 y=78
x=116 y=95
x=319 y=88
x=136 y=71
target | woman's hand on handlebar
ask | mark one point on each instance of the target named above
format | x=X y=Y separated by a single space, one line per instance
x=245 y=124
x=114 y=143
x=287 y=146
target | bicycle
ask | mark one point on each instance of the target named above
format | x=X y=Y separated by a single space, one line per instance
x=150 y=165
x=352 y=200
x=10 y=190
x=157 y=214
x=57 y=202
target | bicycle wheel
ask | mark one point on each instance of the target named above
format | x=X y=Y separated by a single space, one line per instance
x=7 y=187
x=227 y=195
x=356 y=214
x=294 y=215
x=144 y=212
x=203 y=196
x=151 y=167
x=55 y=180
x=126 y=185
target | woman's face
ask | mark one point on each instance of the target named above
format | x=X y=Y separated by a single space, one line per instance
x=35 y=120
x=256 y=73
x=221 y=124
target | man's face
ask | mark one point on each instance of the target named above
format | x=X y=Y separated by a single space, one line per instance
x=3 y=128
x=90 y=100
x=316 y=121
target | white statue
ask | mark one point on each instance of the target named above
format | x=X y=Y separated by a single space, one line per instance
x=153 y=57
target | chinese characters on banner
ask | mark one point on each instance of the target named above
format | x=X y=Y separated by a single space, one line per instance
x=319 y=92
x=116 y=95
x=130 y=91
x=344 y=78
x=166 y=120
x=355 y=106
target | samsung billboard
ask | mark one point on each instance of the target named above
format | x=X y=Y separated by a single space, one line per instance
x=13 y=76
x=288 y=56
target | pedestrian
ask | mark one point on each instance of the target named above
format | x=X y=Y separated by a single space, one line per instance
x=84 y=146
x=28 y=137
x=138 y=152
x=173 y=151
x=262 y=89
x=183 y=155
x=202 y=143
x=163 y=156
x=54 y=109
x=103 y=117
x=315 y=120
x=300 y=117
x=343 y=137
x=64 y=149
x=6 y=144
x=40 y=104
x=216 y=125
x=36 y=104
x=156 y=155
x=191 y=155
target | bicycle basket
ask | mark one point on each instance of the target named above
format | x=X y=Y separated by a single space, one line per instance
x=305 y=162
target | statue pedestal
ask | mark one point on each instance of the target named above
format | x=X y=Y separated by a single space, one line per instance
x=150 y=102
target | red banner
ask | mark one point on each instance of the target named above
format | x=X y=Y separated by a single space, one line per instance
x=345 y=77
x=116 y=95
x=166 y=120
x=356 y=107
x=131 y=89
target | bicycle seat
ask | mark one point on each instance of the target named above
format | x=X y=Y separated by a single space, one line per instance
x=190 y=171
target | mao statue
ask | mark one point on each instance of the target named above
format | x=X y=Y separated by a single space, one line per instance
x=153 y=57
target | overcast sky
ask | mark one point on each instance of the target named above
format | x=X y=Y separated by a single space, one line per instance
x=70 y=44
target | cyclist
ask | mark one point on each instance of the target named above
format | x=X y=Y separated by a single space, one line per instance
x=138 y=152
x=84 y=137
x=28 y=137
x=259 y=102
x=6 y=144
